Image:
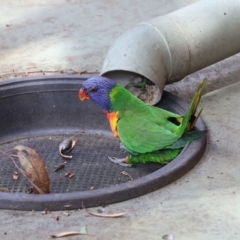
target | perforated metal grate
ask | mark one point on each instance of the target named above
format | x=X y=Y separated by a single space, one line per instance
x=90 y=164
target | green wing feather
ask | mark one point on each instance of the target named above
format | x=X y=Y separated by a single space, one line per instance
x=139 y=135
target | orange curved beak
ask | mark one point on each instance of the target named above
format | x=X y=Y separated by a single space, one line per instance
x=82 y=95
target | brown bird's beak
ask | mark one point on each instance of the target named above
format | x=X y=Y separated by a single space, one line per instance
x=82 y=95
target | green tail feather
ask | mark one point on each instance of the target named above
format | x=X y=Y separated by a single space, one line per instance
x=186 y=124
x=188 y=137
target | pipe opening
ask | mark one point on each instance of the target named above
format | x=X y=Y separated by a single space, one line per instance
x=139 y=85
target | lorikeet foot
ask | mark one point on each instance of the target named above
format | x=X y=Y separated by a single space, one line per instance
x=120 y=161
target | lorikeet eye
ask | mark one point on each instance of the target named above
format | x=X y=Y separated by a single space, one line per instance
x=92 y=89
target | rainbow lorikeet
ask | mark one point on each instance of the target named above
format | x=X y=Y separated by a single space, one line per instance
x=149 y=134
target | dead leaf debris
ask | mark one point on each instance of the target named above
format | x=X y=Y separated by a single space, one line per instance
x=4 y=190
x=66 y=146
x=106 y=215
x=60 y=166
x=127 y=174
x=15 y=175
x=69 y=174
x=32 y=166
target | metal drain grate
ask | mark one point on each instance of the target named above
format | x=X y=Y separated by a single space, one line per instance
x=90 y=164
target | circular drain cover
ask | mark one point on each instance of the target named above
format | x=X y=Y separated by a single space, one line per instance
x=41 y=112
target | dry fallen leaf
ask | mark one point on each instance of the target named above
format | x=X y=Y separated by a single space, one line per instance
x=44 y=212
x=83 y=231
x=60 y=166
x=112 y=215
x=15 y=175
x=33 y=168
x=4 y=190
x=56 y=217
x=66 y=213
x=69 y=175
x=66 y=146
x=65 y=234
x=127 y=174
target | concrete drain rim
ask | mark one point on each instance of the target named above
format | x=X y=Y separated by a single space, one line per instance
x=185 y=161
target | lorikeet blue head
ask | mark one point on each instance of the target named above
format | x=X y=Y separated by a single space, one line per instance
x=97 y=88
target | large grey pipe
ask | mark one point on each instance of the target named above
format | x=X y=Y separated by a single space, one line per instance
x=169 y=47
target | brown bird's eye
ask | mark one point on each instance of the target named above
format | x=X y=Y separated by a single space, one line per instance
x=93 y=90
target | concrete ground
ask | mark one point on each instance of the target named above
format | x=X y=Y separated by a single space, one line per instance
x=73 y=36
